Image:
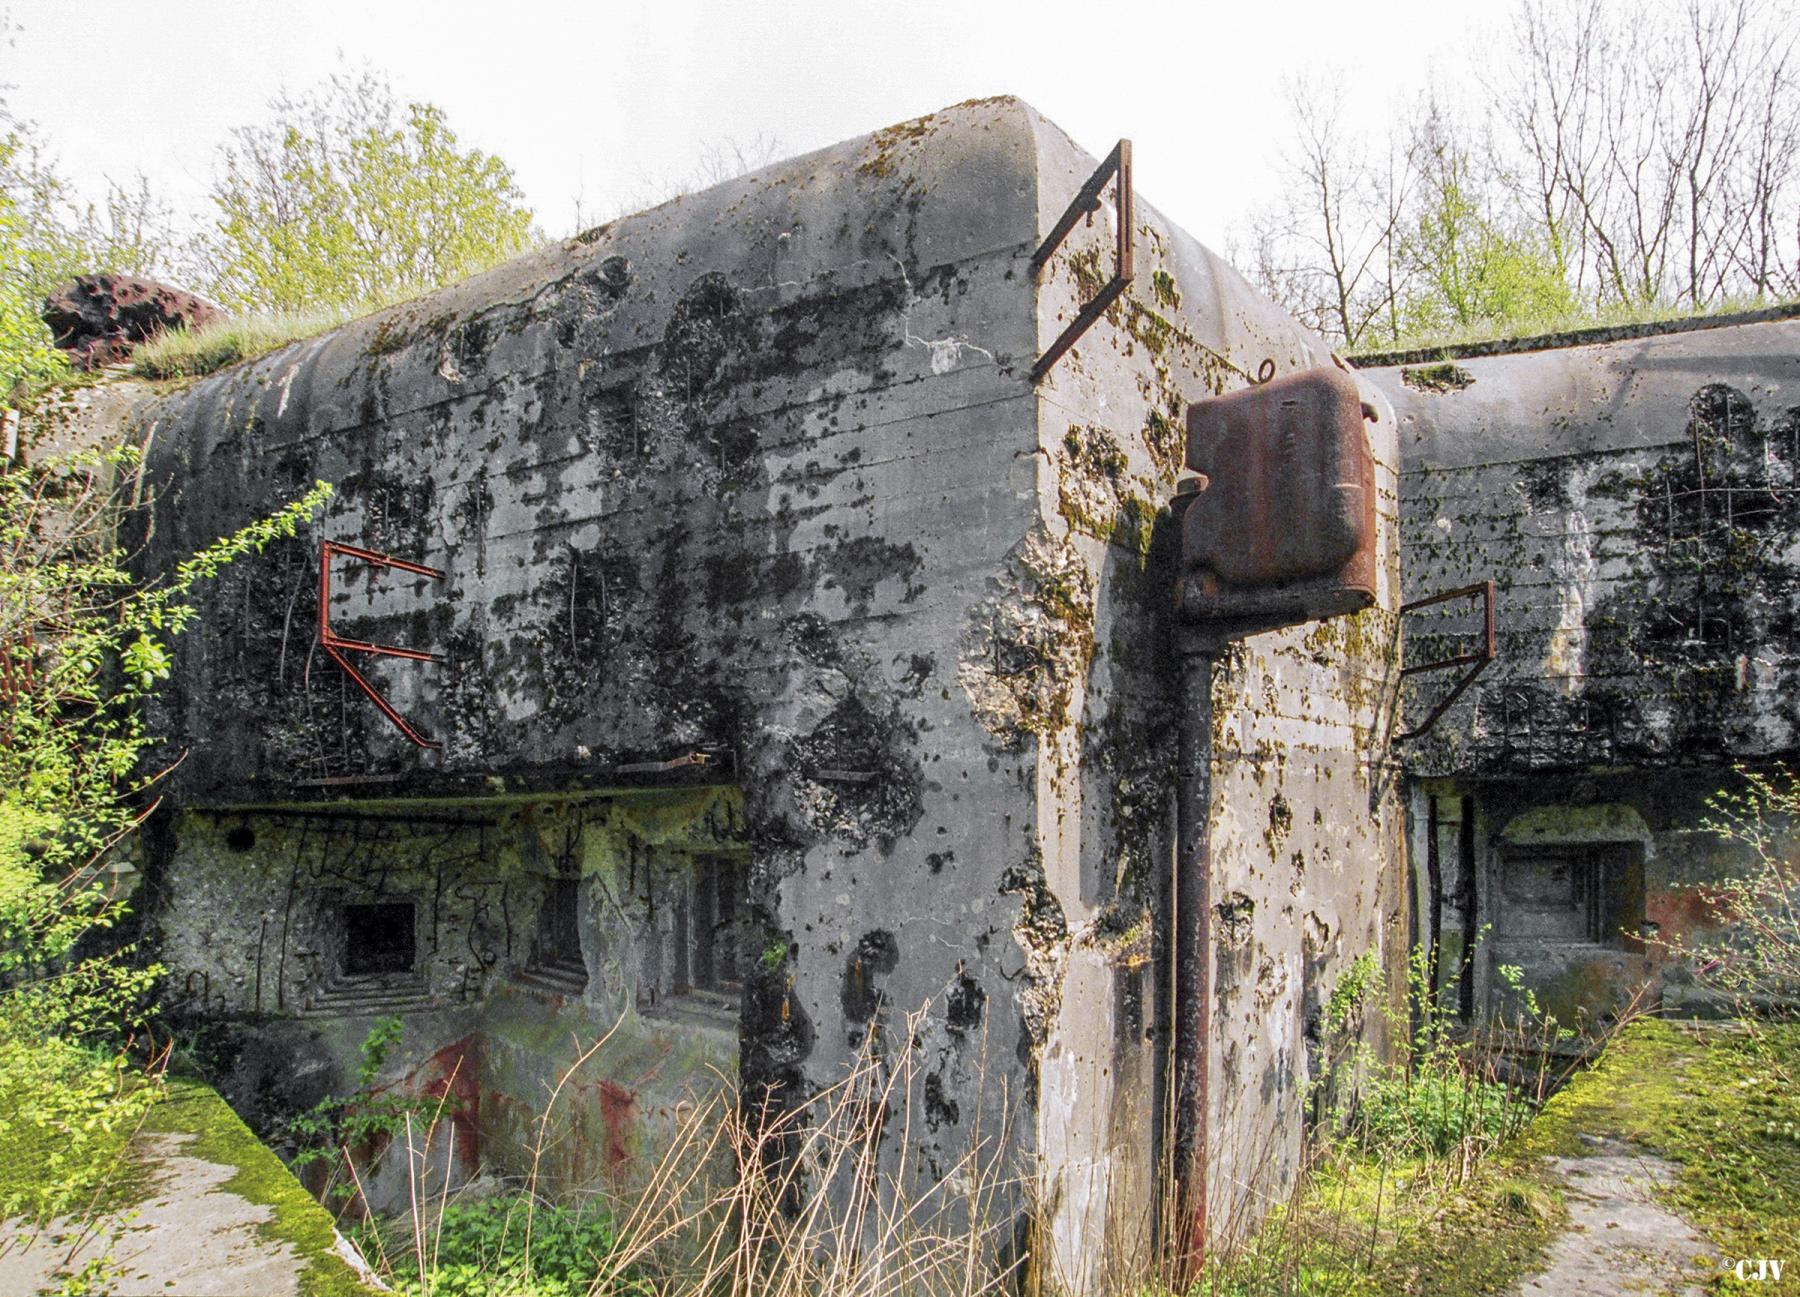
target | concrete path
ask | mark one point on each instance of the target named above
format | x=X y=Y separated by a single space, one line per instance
x=189 y=1238
x=1621 y=1241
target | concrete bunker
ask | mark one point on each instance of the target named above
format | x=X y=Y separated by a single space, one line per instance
x=798 y=666
x=1630 y=494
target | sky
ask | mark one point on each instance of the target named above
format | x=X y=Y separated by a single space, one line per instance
x=610 y=104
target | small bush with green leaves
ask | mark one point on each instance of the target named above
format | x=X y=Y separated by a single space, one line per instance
x=83 y=646
x=337 y=1124
x=506 y=1246
x=1441 y=1092
x=1433 y=1111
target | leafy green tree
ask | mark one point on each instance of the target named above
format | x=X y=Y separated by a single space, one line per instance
x=345 y=197
x=1468 y=270
x=26 y=355
x=81 y=649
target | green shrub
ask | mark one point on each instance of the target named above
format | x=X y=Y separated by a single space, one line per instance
x=1433 y=1111
x=506 y=1246
x=338 y=1125
x=82 y=647
x=1754 y=953
x=1441 y=1092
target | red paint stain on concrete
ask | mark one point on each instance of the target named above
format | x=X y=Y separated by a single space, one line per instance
x=618 y=1110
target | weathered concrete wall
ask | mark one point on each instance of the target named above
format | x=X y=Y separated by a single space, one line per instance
x=1306 y=826
x=252 y=907
x=1634 y=503
x=734 y=475
x=761 y=474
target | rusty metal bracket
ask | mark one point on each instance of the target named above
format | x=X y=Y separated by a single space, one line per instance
x=337 y=645
x=1117 y=164
x=1477 y=661
x=686 y=759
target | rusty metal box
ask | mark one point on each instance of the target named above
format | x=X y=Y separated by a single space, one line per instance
x=1282 y=530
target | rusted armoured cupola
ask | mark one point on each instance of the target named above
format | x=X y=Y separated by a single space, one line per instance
x=1282 y=528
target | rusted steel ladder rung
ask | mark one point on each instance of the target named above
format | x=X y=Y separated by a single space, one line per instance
x=1117 y=164
x=377 y=559
x=385 y=650
x=1478 y=660
x=337 y=645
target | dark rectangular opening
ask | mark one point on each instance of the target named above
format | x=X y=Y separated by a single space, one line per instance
x=708 y=928
x=1589 y=893
x=559 y=930
x=379 y=939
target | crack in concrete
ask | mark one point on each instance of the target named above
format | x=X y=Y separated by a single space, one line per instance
x=946 y=353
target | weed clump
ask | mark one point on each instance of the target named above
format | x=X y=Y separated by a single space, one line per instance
x=505 y=1244
x=180 y=354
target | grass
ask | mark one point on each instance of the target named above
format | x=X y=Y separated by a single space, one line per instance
x=1368 y=1227
x=1719 y=1101
x=178 y=354
x=797 y=1202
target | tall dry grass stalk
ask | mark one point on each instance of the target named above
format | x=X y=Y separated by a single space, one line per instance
x=826 y=1196
x=832 y=1195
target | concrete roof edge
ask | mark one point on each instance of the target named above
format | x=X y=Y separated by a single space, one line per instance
x=1597 y=336
x=521 y=276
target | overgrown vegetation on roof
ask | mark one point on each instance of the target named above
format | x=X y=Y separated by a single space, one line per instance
x=1570 y=326
x=180 y=354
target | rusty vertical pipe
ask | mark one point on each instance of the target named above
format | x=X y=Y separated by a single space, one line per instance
x=1193 y=955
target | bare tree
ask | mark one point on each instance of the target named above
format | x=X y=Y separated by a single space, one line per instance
x=1328 y=248
x=1634 y=153
x=1657 y=144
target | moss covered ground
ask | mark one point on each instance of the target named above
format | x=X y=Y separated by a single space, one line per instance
x=1721 y=1101
x=1718 y=1101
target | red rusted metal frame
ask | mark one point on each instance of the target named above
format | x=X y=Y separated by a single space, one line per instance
x=1477 y=660
x=337 y=645
x=1117 y=164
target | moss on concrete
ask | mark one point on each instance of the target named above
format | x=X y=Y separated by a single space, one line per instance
x=1442 y=377
x=1720 y=1101
x=100 y=1176
x=215 y=1134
